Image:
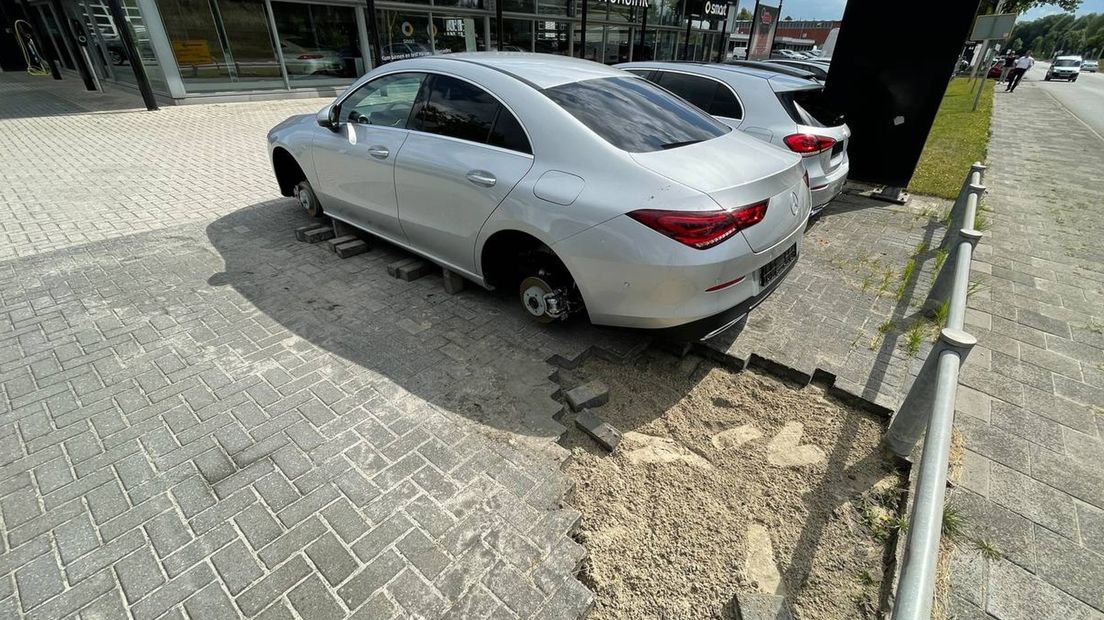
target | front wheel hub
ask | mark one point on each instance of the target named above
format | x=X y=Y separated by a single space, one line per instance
x=304 y=198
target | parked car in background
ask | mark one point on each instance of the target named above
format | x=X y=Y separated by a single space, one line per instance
x=773 y=65
x=1064 y=68
x=786 y=54
x=818 y=68
x=577 y=186
x=786 y=111
x=304 y=60
x=1090 y=66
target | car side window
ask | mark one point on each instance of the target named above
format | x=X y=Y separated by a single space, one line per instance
x=708 y=95
x=725 y=103
x=508 y=134
x=385 y=101
x=457 y=109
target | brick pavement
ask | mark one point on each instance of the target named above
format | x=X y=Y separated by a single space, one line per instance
x=1031 y=401
x=201 y=417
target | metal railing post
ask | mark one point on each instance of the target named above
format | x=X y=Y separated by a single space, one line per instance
x=976 y=176
x=953 y=279
x=916 y=587
x=908 y=424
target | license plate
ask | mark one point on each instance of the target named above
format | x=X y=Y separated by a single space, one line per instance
x=769 y=273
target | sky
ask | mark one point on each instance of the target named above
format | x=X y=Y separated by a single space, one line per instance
x=833 y=9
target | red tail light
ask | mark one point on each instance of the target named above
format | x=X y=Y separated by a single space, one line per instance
x=808 y=144
x=309 y=56
x=701 y=229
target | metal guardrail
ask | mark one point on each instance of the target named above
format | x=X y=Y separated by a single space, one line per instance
x=929 y=406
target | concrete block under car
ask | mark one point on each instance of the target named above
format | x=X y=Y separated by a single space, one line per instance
x=602 y=432
x=454 y=282
x=759 y=606
x=409 y=269
x=318 y=234
x=338 y=240
x=351 y=248
x=302 y=230
x=590 y=394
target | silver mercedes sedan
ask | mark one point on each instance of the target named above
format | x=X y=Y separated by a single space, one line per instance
x=583 y=188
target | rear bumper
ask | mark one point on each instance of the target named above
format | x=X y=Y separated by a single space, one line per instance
x=710 y=326
x=828 y=187
x=630 y=276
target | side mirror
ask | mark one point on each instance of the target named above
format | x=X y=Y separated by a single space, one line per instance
x=327 y=117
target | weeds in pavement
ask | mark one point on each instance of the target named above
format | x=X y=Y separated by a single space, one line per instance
x=954 y=522
x=973 y=288
x=913 y=338
x=939 y=315
x=988 y=550
x=981 y=219
x=883 y=329
x=1095 y=326
x=921 y=248
x=887 y=278
x=906 y=279
x=940 y=258
x=868 y=279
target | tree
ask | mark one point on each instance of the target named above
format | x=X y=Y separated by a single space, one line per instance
x=1060 y=33
x=787 y=19
x=1019 y=6
x=744 y=15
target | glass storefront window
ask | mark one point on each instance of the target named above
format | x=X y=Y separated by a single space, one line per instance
x=554 y=7
x=663 y=13
x=617 y=44
x=552 y=38
x=457 y=34
x=252 y=58
x=519 y=6
x=462 y=4
x=100 y=21
x=517 y=35
x=404 y=35
x=319 y=42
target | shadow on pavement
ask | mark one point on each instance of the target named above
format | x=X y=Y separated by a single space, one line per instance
x=26 y=96
x=475 y=353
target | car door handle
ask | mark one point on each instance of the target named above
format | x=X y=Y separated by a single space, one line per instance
x=379 y=152
x=482 y=177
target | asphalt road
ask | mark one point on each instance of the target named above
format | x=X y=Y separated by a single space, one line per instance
x=1084 y=98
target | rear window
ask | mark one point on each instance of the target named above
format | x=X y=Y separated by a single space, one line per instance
x=810 y=107
x=1067 y=63
x=635 y=115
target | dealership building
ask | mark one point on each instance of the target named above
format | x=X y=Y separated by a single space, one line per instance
x=196 y=50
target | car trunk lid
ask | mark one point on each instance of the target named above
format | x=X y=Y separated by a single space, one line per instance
x=809 y=108
x=737 y=170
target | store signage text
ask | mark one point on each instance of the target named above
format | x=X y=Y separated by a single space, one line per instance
x=635 y=3
x=716 y=8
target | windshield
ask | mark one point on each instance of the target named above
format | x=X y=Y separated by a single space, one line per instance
x=635 y=115
x=1065 y=62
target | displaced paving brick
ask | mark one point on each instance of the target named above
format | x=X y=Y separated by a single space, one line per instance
x=409 y=269
x=317 y=234
x=351 y=248
x=338 y=240
x=758 y=606
x=602 y=432
x=590 y=394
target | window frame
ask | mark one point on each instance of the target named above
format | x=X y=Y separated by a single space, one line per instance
x=657 y=75
x=502 y=106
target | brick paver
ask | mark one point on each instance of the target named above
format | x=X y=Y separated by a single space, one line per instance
x=201 y=416
x=1032 y=393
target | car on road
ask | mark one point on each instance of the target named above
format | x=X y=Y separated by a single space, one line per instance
x=579 y=187
x=787 y=111
x=1064 y=68
x=1090 y=66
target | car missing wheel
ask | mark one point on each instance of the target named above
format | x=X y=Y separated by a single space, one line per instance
x=583 y=188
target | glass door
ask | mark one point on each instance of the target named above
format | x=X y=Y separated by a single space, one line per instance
x=320 y=43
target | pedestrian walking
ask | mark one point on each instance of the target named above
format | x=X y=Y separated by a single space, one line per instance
x=1019 y=68
x=1006 y=68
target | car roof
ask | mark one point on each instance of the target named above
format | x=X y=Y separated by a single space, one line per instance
x=1074 y=57
x=774 y=65
x=780 y=81
x=538 y=70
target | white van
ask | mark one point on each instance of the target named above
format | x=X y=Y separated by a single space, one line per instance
x=1064 y=68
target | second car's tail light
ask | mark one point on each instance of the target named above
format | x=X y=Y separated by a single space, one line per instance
x=808 y=144
x=701 y=229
